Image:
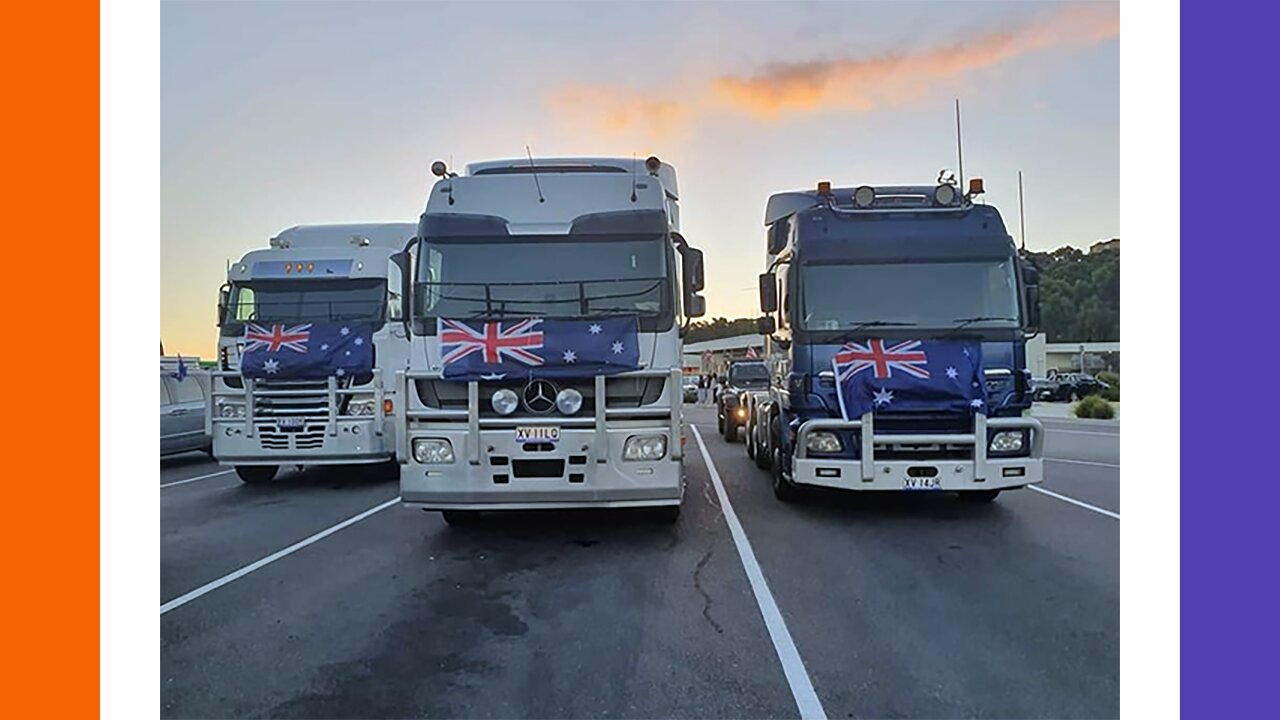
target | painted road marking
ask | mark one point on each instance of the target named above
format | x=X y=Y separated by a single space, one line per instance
x=1073 y=501
x=797 y=677
x=1083 y=462
x=232 y=577
x=190 y=480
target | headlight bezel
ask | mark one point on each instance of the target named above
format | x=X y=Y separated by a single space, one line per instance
x=641 y=448
x=443 y=451
x=503 y=396
x=1021 y=447
x=571 y=397
x=824 y=442
x=362 y=407
x=237 y=410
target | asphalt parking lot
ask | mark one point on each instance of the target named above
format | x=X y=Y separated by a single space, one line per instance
x=320 y=596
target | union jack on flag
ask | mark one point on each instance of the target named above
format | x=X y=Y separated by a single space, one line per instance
x=906 y=356
x=295 y=338
x=516 y=340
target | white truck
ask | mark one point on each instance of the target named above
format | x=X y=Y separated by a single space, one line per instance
x=549 y=303
x=285 y=391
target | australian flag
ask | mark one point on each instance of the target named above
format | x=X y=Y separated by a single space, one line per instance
x=906 y=375
x=537 y=347
x=307 y=351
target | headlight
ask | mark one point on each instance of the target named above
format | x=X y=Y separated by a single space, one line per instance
x=569 y=401
x=432 y=451
x=230 y=410
x=1007 y=441
x=864 y=196
x=363 y=406
x=822 y=441
x=645 y=447
x=504 y=401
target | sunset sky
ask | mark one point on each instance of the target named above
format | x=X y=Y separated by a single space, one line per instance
x=277 y=114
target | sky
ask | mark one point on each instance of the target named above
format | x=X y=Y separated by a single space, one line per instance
x=278 y=114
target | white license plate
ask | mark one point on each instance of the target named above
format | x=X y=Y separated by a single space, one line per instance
x=922 y=483
x=537 y=433
x=291 y=423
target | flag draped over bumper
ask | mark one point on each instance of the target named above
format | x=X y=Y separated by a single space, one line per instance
x=909 y=375
x=536 y=347
x=307 y=351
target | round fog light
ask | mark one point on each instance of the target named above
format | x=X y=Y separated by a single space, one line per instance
x=504 y=401
x=944 y=195
x=569 y=401
x=864 y=196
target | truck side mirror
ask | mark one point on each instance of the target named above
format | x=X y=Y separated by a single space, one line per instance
x=695 y=306
x=768 y=293
x=695 y=275
x=224 y=299
x=1033 y=307
x=766 y=325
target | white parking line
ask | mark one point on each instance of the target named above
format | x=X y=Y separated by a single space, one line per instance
x=792 y=666
x=1083 y=462
x=201 y=477
x=1074 y=501
x=232 y=577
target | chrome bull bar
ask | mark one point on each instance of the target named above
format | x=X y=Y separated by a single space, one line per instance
x=599 y=421
x=251 y=390
x=977 y=438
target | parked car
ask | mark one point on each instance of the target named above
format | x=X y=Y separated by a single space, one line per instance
x=690 y=385
x=1066 y=386
x=182 y=409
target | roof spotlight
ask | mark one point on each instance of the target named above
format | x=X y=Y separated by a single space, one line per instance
x=652 y=163
x=439 y=169
x=944 y=194
x=864 y=196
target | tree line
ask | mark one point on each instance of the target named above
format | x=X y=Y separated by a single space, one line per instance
x=1079 y=299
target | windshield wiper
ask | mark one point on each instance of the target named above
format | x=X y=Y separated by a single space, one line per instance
x=849 y=334
x=962 y=323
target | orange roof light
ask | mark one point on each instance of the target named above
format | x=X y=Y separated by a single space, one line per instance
x=387 y=406
x=975 y=186
x=824 y=187
x=311 y=267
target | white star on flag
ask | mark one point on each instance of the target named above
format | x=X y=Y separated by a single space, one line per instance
x=617 y=347
x=883 y=397
x=359 y=341
x=345 y=331
x=340 y=372
x=348 y=352
x=976 y=403
x=324 y=346
x=271 y=367
x=570 y=356
x=595 y=329
x=493 y=376
x=952 y=373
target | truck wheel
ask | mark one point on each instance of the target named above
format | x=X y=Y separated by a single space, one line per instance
x=764 y=452
x=460 y=517
x=978 y=496
x=749 y=439
x=719 y=421
x=256 y=474
x=783 y=489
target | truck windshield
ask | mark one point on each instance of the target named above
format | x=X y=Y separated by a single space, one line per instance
x=748 y=375
x=925 y=295
x=303 y=301
x=544 y=276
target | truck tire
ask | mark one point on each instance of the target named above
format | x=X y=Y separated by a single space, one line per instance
x=257 y=474
x=978 y=496
x=783 y=489
x=764 y=452
x=459 y=518
x=719 y=420
x=729 y=429
x=749 y=438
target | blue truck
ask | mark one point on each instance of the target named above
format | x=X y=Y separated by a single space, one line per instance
x=860 y=283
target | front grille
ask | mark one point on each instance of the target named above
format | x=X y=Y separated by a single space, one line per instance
x=901 y=451
x=310 y=437
x=620 y=392
x=921 y=424
x=548 y=468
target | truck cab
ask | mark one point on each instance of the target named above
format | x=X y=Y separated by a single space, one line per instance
x=513 y=399
x=855 y=272
x=281 y=310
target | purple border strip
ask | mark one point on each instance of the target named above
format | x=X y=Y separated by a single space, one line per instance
x=1230 y=289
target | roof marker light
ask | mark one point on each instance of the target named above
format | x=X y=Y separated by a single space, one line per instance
x=944 y=194
x=976 y=186
x=824 y=188
x=652 y=163
x=864 y=197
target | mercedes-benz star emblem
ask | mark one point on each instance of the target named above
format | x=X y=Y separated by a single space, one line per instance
x=539 y=396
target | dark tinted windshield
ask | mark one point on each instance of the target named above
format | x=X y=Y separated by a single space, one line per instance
x=294 y=301
x=753 y=374
x=545 y=276
x=927 y=295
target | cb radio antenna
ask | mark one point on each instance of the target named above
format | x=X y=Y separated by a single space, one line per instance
x=536 y=183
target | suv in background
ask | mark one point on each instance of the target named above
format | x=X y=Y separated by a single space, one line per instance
x=182 y=410
x=745 y=376
x=1067 y=386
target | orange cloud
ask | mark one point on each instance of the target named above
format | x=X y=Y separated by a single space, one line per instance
x=849 y=84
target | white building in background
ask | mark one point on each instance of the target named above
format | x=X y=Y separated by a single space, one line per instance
x=1045 y=357
x=714 y=356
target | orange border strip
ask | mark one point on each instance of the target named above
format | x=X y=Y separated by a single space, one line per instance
x=50 y=207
